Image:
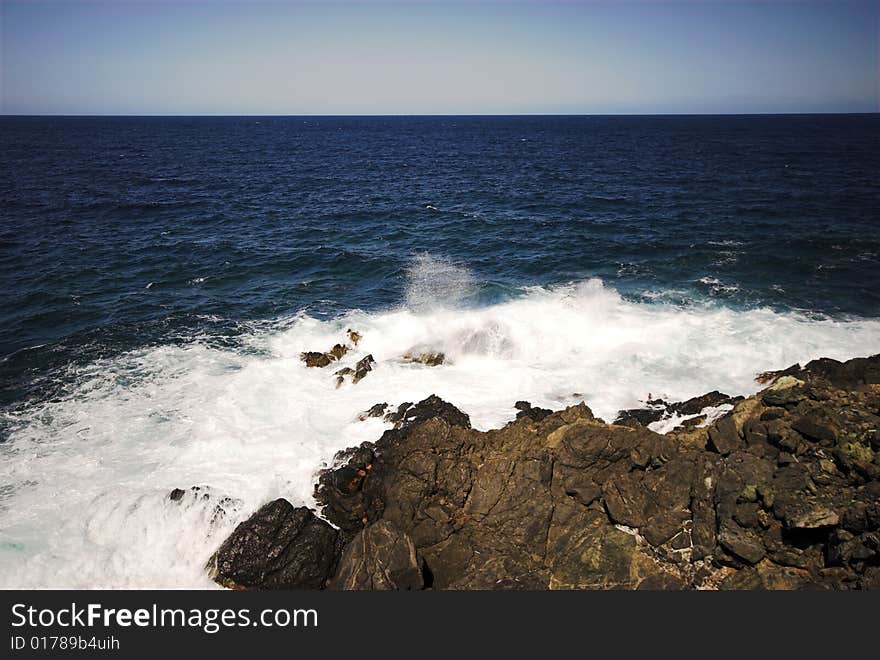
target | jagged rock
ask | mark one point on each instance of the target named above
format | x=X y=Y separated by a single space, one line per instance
x=316 y=359
x=322 y=359
x=656 y=501
x=362 y=368
x=743 y=543
x=857 y=458
x=816 y=426
x=787 y=390
x=501 y=510
x=527 y=410
x=278 y=547
x=396 y=416
x=357 y=374
x=698 y=403
x=783 y=493
x=408 y=414
x=658 y=409
x=723 y=436
x=337 y=351
x=429 y=359
x=768 y=576
x=354 y=336
x=806 y=513
x=378 y=410
x=341 y=374
x=380 y=557
x=223 y=505
x=640 y=416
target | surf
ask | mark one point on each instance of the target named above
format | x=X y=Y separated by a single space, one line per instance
x=86 y=476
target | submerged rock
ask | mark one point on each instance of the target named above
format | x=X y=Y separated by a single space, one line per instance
x=316 y=359
x=223 y=505
x=429 y=359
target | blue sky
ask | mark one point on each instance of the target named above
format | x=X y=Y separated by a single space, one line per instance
x=203 y=57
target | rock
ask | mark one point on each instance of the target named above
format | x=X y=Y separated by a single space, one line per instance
x=746 y=579
x=337 y=351
x=696 y=405
x=341 y=374
x=857 y=457
x=787 y=390
x=783 y=492
x=851 y=374
x=362 y=368
x=430 y=408
x=526 y=410
x=817 y=427
x=810 y=515
x=224 y=506
x=655 y=502
x=744 y=543
x=377 y=410
x=640 y=416
x=429 y=359
x=581 y=487
x=278 y=547
x=694 y=421
x=397 y=416
x=513 y=508
x=723 y=436
x=354 y=336
x=768 y=377
x=316 y=359
x=380 y=557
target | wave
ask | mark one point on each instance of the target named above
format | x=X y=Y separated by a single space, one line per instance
x=85 y=478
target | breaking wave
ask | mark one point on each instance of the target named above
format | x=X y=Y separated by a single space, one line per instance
x=85 y=478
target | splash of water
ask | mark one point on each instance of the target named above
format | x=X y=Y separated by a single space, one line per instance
x=86 y=476
x=437 y=283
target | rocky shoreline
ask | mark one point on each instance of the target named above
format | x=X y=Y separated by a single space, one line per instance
x=780 y=490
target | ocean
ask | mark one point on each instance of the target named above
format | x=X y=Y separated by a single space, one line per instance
x=161 y=276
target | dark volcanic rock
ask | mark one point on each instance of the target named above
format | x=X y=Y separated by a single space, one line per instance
x=783 y=492
x=316 y=359
x=658 y=409
x=640 y=416
x=377 y=410
x=506 y=509
x=724 y=437
x=362 y=368
x=279 y=547
x=527 y=410
x=408 y=414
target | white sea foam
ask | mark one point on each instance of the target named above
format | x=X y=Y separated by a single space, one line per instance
x=84 y=479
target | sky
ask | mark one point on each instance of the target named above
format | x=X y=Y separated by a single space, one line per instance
x=290 y=58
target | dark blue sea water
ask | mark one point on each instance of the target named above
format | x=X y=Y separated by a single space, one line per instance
x=160 y=277
x=116 y=232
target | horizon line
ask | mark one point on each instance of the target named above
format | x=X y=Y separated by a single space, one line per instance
x=480 y=114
